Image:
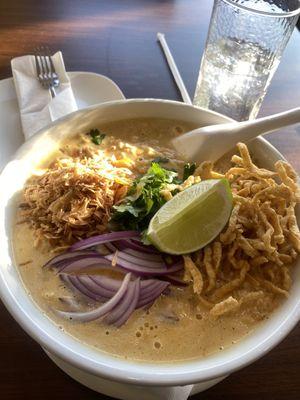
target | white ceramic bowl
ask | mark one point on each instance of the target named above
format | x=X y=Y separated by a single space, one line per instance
x=91 y=367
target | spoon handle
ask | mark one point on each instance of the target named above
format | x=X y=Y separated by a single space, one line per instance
x=211 y=142
x=269 y=124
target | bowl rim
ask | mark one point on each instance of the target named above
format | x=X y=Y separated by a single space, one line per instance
x=132 y=372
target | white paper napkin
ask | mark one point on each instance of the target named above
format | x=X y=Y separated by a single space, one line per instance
x=37 y=107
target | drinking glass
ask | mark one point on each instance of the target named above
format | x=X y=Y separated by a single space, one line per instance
x=245 y=43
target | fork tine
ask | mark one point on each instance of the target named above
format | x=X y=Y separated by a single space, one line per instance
x=45 y=63
x=49 y=74
x=52 y=68
x=45 y=70
x=37 y=65
x=54 y=76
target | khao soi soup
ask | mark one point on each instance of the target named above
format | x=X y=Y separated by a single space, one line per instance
x=139 y=254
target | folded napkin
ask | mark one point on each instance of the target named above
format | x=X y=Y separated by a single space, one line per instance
x=37 y=107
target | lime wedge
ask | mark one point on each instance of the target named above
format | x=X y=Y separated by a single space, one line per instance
x=192 y=218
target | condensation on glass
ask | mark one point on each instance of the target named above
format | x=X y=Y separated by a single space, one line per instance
x=245 y=43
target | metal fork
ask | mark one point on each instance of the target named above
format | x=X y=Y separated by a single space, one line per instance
x=45 y=70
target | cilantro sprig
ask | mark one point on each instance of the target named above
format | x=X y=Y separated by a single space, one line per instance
x=96 y=136
x=144 y=199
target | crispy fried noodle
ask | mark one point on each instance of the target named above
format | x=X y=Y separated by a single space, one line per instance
x=260 y=242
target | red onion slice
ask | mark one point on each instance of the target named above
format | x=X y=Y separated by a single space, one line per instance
x=132 y=306
x=132 y=260
x=87 y=262
x=103 y=309
x=148 y=282
x=61 y=258
x=144 y=255
x=101 y=288
x=157 y=258
x=94 y=287
x=126 y=262
x=142 y=246
x=122 y=306
x=150 y=289
x=143 y=271
x=121 y=255
x=112 y=285
x=111 y=247
x=73 y=283
x=109 y=284
x=120 y=297
x=105 y=238
x=153 y=295
x=138 y=246
x=159 y=287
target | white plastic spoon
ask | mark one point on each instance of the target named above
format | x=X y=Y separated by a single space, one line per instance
x=211 y=142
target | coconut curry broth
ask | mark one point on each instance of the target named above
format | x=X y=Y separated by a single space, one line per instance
x=176 y=327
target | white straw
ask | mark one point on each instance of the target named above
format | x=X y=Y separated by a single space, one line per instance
x=173 y=68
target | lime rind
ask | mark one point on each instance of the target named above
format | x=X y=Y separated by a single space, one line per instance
x=193 y=218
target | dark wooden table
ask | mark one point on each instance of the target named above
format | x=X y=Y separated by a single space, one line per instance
x=117 y=38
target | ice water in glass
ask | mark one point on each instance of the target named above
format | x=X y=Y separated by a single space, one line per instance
x=244 y=46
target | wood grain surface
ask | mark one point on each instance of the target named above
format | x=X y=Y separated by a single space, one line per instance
x=117 y=38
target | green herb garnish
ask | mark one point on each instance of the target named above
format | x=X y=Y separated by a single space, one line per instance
x=96 y=136
x=143 y=199
x=188 y=170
